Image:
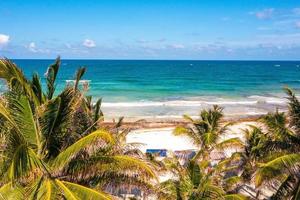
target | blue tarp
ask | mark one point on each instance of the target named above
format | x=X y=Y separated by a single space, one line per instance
x=160 y=152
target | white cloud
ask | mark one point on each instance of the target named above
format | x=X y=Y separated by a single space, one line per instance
x=176 y=46
x=143 y=41
x=89 y=43
x=264 y=14
x=32 y=47
x=4 y=39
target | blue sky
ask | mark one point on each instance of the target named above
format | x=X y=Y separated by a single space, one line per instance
x=151 y=29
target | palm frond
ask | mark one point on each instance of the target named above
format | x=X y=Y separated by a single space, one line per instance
x=97 y=110
x=235 y=197
x=230 y=143
x=42 y=189
x=66 y=192
x=186 y=131
x=80 y=72
x=174 y=189
x=294 y=109
x=231 y=182
x=6 y=114
x=277 y=125
x=285 y=164
x=16 y=80
x=37 y=88
x=23 y=162
x=286 y=189
x=8 y=191
x=119 y=123
x=210 y=138
x=188 y=118
x=51 y=77
x=194 y=173
x=88 y=142
x=122 y=164
x=24 y=117
x=49 y=120
x=82 y=192
x=55 y=121
x=208 y=191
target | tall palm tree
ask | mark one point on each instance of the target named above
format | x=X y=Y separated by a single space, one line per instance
x=198 y=179
x=282 y=167
x=253 y=151
x=42 y=155
x=206 y=132
x=244 y=163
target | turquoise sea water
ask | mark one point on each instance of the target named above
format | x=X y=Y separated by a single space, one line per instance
x=137 y=88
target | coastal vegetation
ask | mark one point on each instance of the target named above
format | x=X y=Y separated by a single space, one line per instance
x=54 y=145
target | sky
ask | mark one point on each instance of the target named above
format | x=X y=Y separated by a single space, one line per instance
x=151 y=29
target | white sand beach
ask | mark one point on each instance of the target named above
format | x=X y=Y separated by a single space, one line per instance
x=162 y=138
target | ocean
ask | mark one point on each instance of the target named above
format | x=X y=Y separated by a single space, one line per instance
x=168 y=88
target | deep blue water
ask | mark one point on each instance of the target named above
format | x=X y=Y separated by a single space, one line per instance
x=126 y=81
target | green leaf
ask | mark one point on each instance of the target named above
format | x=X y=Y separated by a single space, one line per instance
x=67 y=193
x=24 y=118
x=114 y=166
x=230 y=143
x=284 y=164
x=23 y=162
x=56 y=120
x=51 y=77
x=41 y=189
x=188 y=132
x=84 y=192
x=209 y=138
x=294 y=109
x=37 y=88
x=194 y=173
x=16 y=80
x=80 y=72
x=97 y=113
x=235 y=197
x=10 y=192
x=88 y=141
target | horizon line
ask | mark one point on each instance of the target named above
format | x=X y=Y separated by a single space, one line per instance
x=134 y=59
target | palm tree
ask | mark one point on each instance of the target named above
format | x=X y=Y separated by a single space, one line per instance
x=253 y=151
x=198 y=179
x=43 y=156
x=206 y=132
x=281 y=167
x=244 y=163
x=194 y=181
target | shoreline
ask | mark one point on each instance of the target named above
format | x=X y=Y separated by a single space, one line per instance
x=155 y=123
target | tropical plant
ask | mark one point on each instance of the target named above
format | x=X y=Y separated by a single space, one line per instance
x=281 y=167
x=198 y=178
x=194 y=181
x=43 y=153
x=253 y=151
x=206 y=132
